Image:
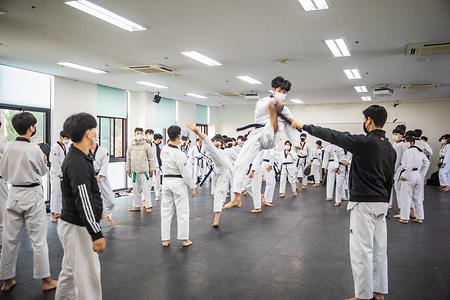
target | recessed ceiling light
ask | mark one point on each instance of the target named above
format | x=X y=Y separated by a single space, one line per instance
x=201 y=58
x=338 y=47
x=105 y=15
x=366 y=98
x=297 y=101
x=3 y=12
x=361 y=89
x=152 y=84
x=352 y=73
x=248 y=79
x=81 y=67
x=196 y=95
x=311 y=5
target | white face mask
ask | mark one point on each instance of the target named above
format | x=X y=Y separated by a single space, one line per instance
x=139 y=137
x=279 y=96
x=395 y=137
x=66 y=142
x=287 y=147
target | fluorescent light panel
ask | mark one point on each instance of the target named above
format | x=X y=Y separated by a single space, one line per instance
x=248 y=79
x=312 y=5
x=366 y=98
x=105 y=15
x=361 y=89
x=297 y=101
x=201 y=58
x=196 y=95
x=152 y=84
x=81 y=67
x=338 y=47
x=352 y=73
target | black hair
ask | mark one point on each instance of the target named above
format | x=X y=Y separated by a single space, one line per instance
x=410 y=139
x=409 y=133
x=319 y=143
x=233 y=139
x=424 y=138
x=77 y=125
x=228 y=140
x=280 y=82
x=399 y=131
x=303 y=134
x=138 y=129
x=157 y=136
x=22 y=121
x=377 y=113
x=417 y=133
x=183 y=138
x=402 y=127
x=445 y=136
x=288 y=142
x=174 y=132
x=63 y=134
x=149 y=131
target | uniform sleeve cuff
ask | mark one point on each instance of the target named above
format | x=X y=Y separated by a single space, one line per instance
x=96 y=236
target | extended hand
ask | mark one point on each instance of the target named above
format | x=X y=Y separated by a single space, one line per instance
x=192 y=127
x=194 y=193
x=251 y=174
x=296 y=124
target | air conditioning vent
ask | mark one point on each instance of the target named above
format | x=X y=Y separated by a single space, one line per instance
x=419 y=86
x=227 y=94
x=251 y=96
x=427 y=49
x=151 y=69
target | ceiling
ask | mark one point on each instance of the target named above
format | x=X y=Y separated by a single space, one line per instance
x=247 y=37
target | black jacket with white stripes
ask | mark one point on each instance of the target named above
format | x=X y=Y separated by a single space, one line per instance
x=81 y=199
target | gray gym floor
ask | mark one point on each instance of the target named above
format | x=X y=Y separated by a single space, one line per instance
x=296 y=250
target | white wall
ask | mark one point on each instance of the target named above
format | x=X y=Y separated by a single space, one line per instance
x=430 y=116
x=70 y=97
x=185 y=115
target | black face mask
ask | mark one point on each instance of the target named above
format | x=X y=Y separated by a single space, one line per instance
x=365 y=129
x=34 y=132
x=302 y=139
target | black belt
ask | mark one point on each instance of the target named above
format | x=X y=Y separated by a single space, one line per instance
x=265 y=160
x=172 y=176
x=255 y=125
x=287 y=163
x=27 y=185
x=330 y=160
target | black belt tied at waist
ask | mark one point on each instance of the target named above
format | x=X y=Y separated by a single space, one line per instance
x=266 y=160
x=172 y=176
x=330 y=160
x=254 y=125
x=27 y=185
x=287 y=163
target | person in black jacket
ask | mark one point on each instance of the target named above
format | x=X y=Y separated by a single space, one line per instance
x=79 y=224
x=158 y=138
x=371 y=179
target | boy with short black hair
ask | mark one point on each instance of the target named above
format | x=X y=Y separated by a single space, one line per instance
x=22 y=165
x=79 y=227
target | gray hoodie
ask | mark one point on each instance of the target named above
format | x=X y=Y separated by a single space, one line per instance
x=141 y=157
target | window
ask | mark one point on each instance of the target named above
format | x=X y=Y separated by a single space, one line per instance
x=112 y=136
x=203 y=128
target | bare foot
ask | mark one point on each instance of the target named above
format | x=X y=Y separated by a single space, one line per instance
x=8 y=284
x=135 y=209
x=236 y=202
x=268 y=204
x=165 y=243
x=281 y=195
x=186 y=243
x=316 y=184
x=403 y=221
x=397 y=216
x=256 y=210
x=49 y=284
x=353 y=298
x=378 y=296
x=294 y=194
x=111 y=221
x=216 y=220
x=148 y=210
x=337 y=204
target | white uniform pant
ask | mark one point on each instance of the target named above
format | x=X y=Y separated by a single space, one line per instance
x=410 y=196
x=300 y=171
x=444 y=175
x=25 y=206
x=256 y=189
x=288 y=174
x=174 y=197
x=55 y=194
x=142 y=188
x=157 y=184
x=213 y=178
x=331 y=180
x=259 y=139
x=80 y=272
x=315 y=171
x=368 y=248
x=108 y=196
x=199 y=169
x=342 y=190
x=3 y=199
x=221 y=191
x=269 y=176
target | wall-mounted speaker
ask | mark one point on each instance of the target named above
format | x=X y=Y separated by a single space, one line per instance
x=156 y=98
